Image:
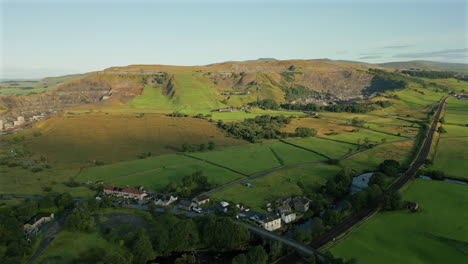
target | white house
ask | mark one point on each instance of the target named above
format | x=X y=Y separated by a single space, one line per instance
x=271 y=223
x=288 y=217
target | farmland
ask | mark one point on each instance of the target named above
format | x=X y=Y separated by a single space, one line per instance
x=80 y=138
x=277 y=184
x=415 y=236
x=155 y=173
x=451 y=157
x=370 y=159
x=259 y=157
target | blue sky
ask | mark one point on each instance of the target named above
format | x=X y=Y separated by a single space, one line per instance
x=51 y=37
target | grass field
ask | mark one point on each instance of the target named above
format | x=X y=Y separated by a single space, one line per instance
x=155 y=173
x=117 y=137
x=437 y=233
x=370 y=159
x=16 y=180
x=323 y=126
x=455 y=131
x=452 y=157
x=259 y=157
x=277 y=184
x=456 y=111
x=329 y=148
x=374 y=137
x=68 y=246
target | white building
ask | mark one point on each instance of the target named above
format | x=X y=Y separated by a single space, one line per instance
x=271 y=223
x=288 y=217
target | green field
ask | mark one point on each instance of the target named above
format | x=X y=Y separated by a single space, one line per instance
x=155 y=173
x=455 y=131
x=259 y=157
x=456 y=111
x=278 y=184
x=67 y=246
x=370 y=159
x=437 y=233
x=452 y=157
x=329 y=148
x=362 y=134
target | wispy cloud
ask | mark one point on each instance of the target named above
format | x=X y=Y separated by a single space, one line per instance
x=396 y=47
x=448 y=53
x=370 y=57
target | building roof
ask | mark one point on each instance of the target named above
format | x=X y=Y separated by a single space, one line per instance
x=35 y=218
x=124 y=190
x=270 y=218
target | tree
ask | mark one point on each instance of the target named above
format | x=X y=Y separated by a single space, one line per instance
x=305 y=132
x=331 y=217
x=142 y=249
x=392 y=201
x=183 y=235
x=186 y=259
x=390 y=167
x=257 y=255
x=240 y=259
x=377 y=178
x=441 y=130
x=276 y=251
x=211 y=145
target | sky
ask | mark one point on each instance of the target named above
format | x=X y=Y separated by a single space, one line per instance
x=50 y=37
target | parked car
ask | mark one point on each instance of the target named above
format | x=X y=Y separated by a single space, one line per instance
x=197 y=209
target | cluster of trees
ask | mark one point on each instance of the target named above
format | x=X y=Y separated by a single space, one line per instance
x=342 y=107
x=385 y=80
x=338 y=186
x=297 y=91
x=305 y=132
x=431 y=74
x=255 y=129
x=195 y=182
x=266 y=104
x=384 y=104
x=256 y=255
x=14 y=248
x=187 y=147
x=307 y=235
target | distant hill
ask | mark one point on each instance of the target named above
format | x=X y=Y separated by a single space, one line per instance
x=426 y=65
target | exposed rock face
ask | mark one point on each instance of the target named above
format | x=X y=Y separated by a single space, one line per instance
x=89 y=90
x=261 y=80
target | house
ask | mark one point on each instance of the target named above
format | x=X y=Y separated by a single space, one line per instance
x=186 y=205
x=412 y=206
x=283 y=209
x=200 y=200
x=164 y=199
x=33 y=225
x=226 y=110
x=288 y=217
x=301 y=204
x=126 y=193
x=271 y=222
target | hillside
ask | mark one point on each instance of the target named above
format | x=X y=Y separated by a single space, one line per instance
x=427 y=65
x=169 y=88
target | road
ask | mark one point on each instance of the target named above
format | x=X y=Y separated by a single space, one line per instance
x=48 y=237
x=355 y=219
x=300 y=247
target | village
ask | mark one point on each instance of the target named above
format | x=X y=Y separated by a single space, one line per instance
x=285 y=210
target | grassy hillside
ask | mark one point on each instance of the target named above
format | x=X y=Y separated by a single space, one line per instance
x=16 y=88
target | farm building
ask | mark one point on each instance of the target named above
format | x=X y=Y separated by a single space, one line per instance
x=412 y=206
x=126 y=193
x=271 y=222
x=186 y=205
x=33 y=225
x=200 y=200
x=301 y=204
x=288 y=217
x=164 y=199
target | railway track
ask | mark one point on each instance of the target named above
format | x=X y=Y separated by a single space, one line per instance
x=353 y=220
